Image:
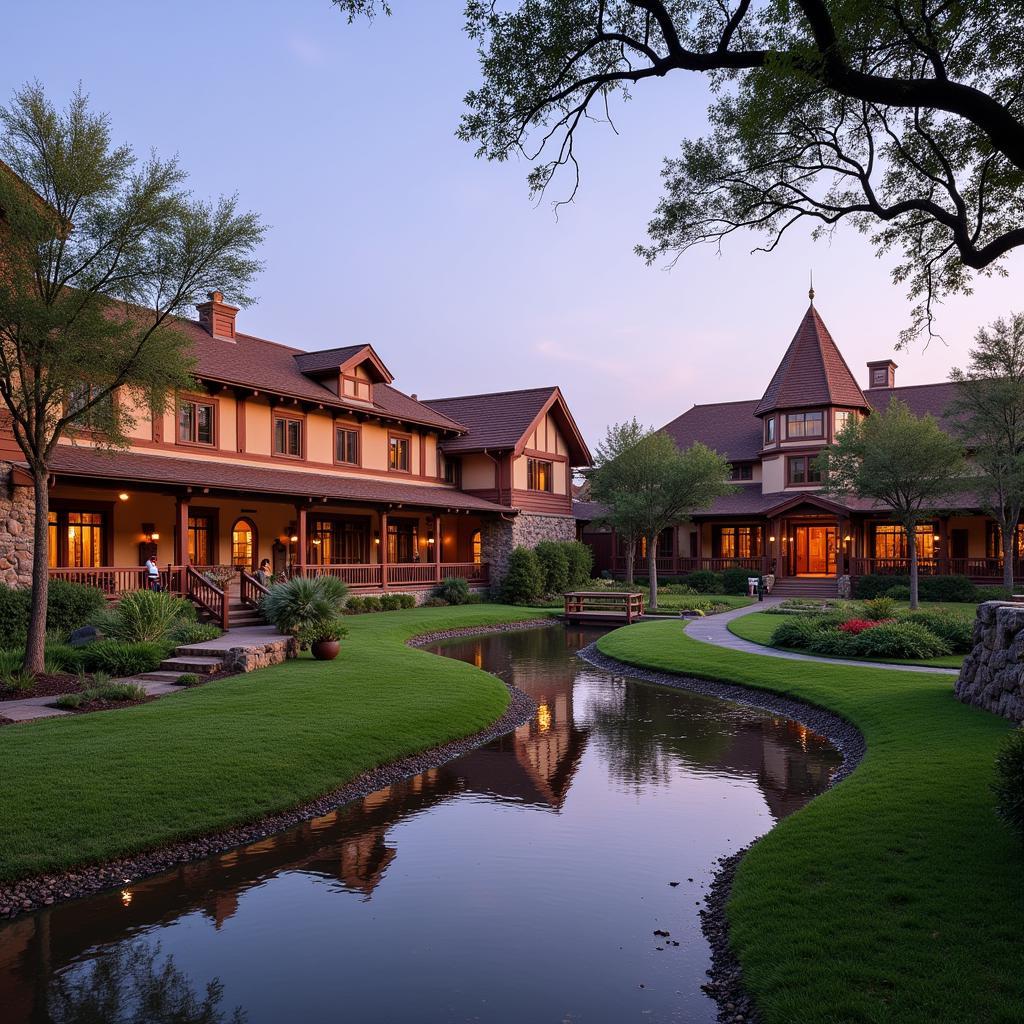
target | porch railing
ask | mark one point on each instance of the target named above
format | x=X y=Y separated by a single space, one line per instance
x=207 y=596
x=977 y=568
x=355 y=575
x=670 y=565
x=250 y=590
x=112 y=580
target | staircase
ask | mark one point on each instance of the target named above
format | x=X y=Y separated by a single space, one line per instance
x=796 y=586
x=185 y=661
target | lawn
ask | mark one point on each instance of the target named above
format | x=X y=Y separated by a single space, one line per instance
x=896 y=897
x=759 y=626
x=92 y=787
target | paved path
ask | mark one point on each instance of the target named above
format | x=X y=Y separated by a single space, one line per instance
x=715 y=630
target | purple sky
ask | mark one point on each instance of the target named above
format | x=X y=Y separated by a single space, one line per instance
x=385 y=229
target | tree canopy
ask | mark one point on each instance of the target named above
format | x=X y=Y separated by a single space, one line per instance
x=902 y=118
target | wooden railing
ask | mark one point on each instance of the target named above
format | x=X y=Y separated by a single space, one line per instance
x=401 y=574
x=977 y=568
x=250 y=590
x=669 y=565
x=207 y=596
x=472 y=572
x=355 y=575
x=405 y=573
x=603 y=604
x=112 y=579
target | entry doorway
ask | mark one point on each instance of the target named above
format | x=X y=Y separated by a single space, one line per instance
x=243 y=545
x=814 y=551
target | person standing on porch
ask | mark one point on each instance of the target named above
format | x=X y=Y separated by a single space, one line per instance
x=152 y=573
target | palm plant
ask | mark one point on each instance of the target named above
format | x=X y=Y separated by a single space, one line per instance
x=304 y=601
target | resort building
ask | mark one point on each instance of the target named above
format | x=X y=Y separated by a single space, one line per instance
x=778 y=522
x=313 y=460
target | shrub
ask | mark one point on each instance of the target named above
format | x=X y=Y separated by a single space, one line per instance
x=1009 y=785
x=993 y=594
x=524 y=581
x=301 y=601
x=372 y=603
x=435 y=602
x=61 y=657
x=188 y=679
x=318 y=632
x=581 y=563
x=554 y=566
x=146 y=616
x=122 y=659
x=703 y=581
x=475 y=598
x=855 y=626
x=122 y=691
x=947 y=588
x=879 y=608
x=71 y=701
x=454 y=590
x=956 y=630
x=835 y=642
x=796 y=631
x=70 y=606
x=188 y=633
x=734 y=581
x=900 y=640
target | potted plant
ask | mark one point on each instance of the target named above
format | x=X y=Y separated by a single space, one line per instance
x=323 y=639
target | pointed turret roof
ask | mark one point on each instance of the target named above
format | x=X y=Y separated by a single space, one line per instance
x=812 y=372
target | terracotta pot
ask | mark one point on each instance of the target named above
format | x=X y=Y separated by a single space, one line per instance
x=325 y=650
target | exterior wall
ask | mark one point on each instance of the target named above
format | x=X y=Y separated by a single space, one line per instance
x=773 y=475
x=500 y=537
x=17 y=520
x=477 y=473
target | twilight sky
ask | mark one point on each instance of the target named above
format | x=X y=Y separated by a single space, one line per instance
x=386 y=229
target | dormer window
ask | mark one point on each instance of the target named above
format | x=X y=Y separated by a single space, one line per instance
x=805 y=424
x=356 y=387
x=742 y=471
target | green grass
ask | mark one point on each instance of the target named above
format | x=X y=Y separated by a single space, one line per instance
x=92 y=787
x=759 y=626
x=896 y=897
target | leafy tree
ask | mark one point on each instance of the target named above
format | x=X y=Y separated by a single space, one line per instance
x=988 y=415
x=902 y=118
x=101 y=253
x=903 y=462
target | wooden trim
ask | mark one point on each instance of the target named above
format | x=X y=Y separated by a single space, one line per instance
x=368 y=384
x=240 y=409
x=400 y=435
x=806 y=412
x=556 y=398
x=255 y=541
x=357 y=429
x=542 y=501
x=277 y=413
x=807 y=461
x=195 y=398
x=545 y=456
x=423 y=452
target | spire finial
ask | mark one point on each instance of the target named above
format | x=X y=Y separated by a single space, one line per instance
x=810 y=291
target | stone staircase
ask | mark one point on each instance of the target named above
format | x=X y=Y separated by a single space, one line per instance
x=186 y=660
x=795 y=586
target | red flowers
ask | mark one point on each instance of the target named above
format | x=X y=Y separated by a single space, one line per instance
x=856 y=626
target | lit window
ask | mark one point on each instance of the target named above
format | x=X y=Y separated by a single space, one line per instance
x=804 y=424
x=478 y=548
x=195 y=422
x=843 y=418
x=398 y=454
x=539 y=475
x=891 y=541
x=288 y=437
x=347 y=446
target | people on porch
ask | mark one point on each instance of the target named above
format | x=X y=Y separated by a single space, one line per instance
x=152 y=573
x=263 y=573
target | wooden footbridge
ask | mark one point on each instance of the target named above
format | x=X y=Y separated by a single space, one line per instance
x=603 y=606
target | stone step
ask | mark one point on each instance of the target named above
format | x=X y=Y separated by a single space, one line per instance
x=192 y=663
x=159 y=677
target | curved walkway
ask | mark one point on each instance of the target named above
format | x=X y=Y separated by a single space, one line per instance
x=715 y=630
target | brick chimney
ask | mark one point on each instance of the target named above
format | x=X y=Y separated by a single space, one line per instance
x=882 y=374
x=217 y=317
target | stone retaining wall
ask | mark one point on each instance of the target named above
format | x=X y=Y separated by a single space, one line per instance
x=500 y=537
x=17 y=517
x=251 y=658
x=992 y=676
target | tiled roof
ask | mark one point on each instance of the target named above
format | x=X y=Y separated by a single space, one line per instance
x=496 y=421
x=587 y=511
x=812 y=372
x=231 y=475
x=327 y=359
x=728 y=427
x=919 y=398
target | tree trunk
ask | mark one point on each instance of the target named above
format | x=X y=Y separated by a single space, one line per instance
x=35 y=642
x=630 y=556
x=652 y=570
x=1007 y=532
x=912 y=551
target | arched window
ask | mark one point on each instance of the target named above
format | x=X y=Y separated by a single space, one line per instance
x=477 y=545
x=243 y=544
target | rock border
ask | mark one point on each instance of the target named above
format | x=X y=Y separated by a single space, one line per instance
x=38 y=891
x=725 y=976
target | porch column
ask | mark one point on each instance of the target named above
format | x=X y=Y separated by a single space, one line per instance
x=383 y=550
x=944 y=545
x=300 y=532
x=842 y=529
x=437 y=548
x=181 y=539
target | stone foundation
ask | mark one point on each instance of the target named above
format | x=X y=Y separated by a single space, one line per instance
x=992 y=676
x=17 y=519
x=249 y=659
x=500 y=537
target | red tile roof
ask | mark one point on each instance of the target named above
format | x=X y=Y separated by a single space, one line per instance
x=231 y=475
x=812 y=372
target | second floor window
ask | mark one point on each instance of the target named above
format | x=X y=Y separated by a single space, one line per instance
x=346 y=448
x=803 y=471
x=452 y=471
x=398 y=454
x=804 y=424
x=288 y=437
x=769 y=430
x=843 y=417
x=538 y=475
x=742 y=471
x=195 y=422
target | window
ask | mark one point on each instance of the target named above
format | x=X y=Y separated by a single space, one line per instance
x=742 y=471
x=843 y=418
x=891 y=541
x=453 y=471
x=879 y=377
x=85 y=534
x=802 y=470
x=994 y=541
x=398 y=453
x=356 y=387
x=321 y=543
x=288 y=437
x=769 y=430
x=666 y=544
x=539 y=475
x=476 y=543
x=804 y=424
x=736 y=542
x=243 y=545
x=200 y=534
x=403 y=541
x=79 y=396
x=346 y=446
x=195 y=422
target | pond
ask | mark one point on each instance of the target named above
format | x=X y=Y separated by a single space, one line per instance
x=524 y=881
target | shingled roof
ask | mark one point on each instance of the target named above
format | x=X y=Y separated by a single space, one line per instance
x=812 y=372
x=729 y=427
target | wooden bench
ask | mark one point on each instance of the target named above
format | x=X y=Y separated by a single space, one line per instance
x=605 y=605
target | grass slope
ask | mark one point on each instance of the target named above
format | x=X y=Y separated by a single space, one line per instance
x=895 y=897
x=89 y=788
x=759 y=626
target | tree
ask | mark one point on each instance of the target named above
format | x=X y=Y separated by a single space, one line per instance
x=614 y=483
x=988 y=415
x=101 y=253
x=902 y=118
x=903 y=462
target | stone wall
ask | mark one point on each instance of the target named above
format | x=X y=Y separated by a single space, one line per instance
x=992 y=676
x=251 y=658
x=17 y=517
x=500 y=537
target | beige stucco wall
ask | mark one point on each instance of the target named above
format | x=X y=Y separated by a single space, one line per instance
x=773 y=474
x=477 y=473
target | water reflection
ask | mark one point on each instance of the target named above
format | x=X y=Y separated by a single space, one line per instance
x=550 y=849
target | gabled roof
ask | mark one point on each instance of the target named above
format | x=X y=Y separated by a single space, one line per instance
x=729 y=427
x=503 y=420
x=338 y=360
x=812 y=372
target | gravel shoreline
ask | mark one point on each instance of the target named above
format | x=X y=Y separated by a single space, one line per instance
x=37 y=891
x=725 y=981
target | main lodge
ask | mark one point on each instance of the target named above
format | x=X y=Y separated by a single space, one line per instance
x=311 y=459
x=778 y=522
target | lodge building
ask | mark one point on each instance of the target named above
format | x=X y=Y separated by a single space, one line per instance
x=778 y=522
x=312 y=459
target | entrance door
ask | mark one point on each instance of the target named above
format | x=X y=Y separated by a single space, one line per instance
x=815 y=550
x=243 y=545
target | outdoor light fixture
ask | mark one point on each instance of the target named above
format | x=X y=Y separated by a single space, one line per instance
x=936 y=538
x=154 y=535
x=294 y=538
x=376 y=536
x=316 y=541
x=123 y=496
x=430 y=538
x=772 y=539
x=847 y=538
